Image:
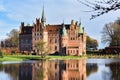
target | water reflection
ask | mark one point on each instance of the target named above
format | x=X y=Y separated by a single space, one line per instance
x=60 y=70
x=115 y=69
x=91 y=68
x=12 y=70
x=1 y=67
x=46 y=70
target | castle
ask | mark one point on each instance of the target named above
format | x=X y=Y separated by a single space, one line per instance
x=62 y=39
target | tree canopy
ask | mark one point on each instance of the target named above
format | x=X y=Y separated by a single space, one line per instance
x=13 y=37
x=91 y=43
x=101 y=7
x=42 y=48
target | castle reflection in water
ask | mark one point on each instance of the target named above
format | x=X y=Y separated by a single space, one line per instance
x=104 y=69
x=53 y=70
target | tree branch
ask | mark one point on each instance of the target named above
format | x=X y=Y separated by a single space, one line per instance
x=101 y=7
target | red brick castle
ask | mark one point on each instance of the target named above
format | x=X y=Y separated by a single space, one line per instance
x=63 y=39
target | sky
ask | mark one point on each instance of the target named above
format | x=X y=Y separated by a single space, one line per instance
x=13 y=12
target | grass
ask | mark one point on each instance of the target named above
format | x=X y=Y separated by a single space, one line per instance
x=65 y=57
x=36 y=57
x=103 y=56
x=19 y=57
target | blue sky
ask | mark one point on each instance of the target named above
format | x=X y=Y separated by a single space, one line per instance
x=13 y=12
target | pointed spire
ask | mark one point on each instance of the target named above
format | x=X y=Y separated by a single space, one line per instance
x=43 y=19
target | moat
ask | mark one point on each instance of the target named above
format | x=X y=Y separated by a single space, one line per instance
x=89 y=69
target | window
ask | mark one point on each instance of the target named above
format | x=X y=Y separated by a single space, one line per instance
x=55 y=47
x=77 y=51
x=55 y=40
x=50 y=40
x=55 y=66
x=77 y=65
x=68 y=52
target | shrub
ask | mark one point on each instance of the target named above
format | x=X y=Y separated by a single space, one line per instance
x=1 y=54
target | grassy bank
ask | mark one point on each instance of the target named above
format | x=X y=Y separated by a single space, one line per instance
x=36 y=57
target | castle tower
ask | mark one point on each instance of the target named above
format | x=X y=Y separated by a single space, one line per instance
x=64 y=40
x=82 y=36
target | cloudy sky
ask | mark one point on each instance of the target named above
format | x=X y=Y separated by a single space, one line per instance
x=13 y=12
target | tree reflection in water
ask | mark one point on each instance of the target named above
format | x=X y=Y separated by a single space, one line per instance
x=12 y=70
x=115 y=69
x=1 y=67
x=91 y=68
x=61 y=70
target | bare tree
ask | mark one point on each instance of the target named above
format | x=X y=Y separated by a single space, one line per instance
x=111 y=33
x=101 y=7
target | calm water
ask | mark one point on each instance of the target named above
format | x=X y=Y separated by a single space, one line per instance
x=90 y=69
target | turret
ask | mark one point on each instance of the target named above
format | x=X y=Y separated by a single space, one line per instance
x=38 y=21
x=64 y=39
x=72 y=25
x=81 y=29
x=64 y=31
x=76 y=26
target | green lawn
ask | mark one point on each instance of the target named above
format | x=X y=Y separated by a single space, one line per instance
x=36 y=57
x=18 y=57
